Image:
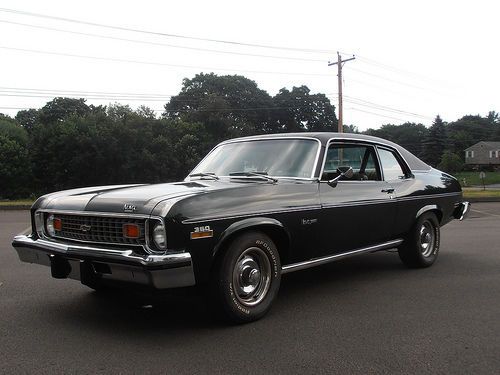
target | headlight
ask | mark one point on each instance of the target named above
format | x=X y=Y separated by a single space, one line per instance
x=159 y=236
x=49 y=225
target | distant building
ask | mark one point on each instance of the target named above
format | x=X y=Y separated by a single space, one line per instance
x=483 y=154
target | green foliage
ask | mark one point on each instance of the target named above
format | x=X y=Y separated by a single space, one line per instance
x=450 y=162
x=409 y=135
x=434 y=143
x=227 y=106
x=68 y=143
x=298 y=110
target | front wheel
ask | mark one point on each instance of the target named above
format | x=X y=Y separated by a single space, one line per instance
x=421 y=247
x=246 y=278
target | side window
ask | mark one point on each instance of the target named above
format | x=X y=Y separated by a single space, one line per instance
x=390 y=165
x=360 y=158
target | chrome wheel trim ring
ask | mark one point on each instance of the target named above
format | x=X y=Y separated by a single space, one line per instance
x=427 y=238
x=252 y=276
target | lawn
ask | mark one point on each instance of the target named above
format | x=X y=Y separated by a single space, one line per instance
x=477 y=193
x=472 y=178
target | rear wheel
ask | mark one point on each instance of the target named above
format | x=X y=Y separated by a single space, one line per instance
x=246 y=278
x=421 y=247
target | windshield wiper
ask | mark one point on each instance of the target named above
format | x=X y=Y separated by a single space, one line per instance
x=255 y=174
x=205 y=174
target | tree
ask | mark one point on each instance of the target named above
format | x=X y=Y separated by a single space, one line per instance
x=28 y=119
x=409 y=135
x=469 y=130
x=59 y=109
x=226 y=106
x=450 y=162
x=14 y=162
x=297 y=110
x=434 y=143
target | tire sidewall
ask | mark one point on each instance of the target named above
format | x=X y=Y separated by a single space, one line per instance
x=236 y=310
x=430 y=259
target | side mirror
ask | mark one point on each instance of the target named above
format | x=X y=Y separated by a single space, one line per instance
x=343 y=172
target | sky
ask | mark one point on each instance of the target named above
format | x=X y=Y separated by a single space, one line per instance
x=414 y=60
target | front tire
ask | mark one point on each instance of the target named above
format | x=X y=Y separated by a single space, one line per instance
x=421 y=247
x=246 y=278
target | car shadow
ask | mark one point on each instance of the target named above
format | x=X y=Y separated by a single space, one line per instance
x=132 y=314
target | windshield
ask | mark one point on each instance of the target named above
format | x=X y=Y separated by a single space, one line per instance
x=273 y=157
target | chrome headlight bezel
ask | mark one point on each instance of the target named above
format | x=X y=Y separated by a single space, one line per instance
x=159 y=236
x=49 y=225
x=156 y=231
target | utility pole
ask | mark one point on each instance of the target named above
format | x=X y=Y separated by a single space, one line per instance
x=339 y=64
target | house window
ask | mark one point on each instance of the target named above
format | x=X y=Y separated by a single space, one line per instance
x=469 y=154
x=492 y=154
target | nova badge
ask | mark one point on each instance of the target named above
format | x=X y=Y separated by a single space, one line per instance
x=128 y=207
x=309 y=221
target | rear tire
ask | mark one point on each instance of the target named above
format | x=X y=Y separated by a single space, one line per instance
x=246 y=278
x=421 y=247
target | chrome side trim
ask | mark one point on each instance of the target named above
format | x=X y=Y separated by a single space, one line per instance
x=428 y=196
x=332 y=258
x=318 y=207
x=429 y=207
x=365 y=142
x=257 y=213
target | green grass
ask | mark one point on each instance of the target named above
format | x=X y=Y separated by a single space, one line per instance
x=472 y=178
x=479 y=193
x=20 y=202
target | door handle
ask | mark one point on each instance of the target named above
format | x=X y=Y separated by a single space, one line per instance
x=388 y=191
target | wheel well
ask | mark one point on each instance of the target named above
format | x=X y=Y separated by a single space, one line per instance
x=435 y=211
x=275 y=233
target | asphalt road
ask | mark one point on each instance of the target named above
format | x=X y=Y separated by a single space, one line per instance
x=362 y=315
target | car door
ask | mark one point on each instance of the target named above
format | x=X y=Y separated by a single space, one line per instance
x=359 y=211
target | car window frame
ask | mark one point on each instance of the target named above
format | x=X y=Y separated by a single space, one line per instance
x=402 y=163
x=378 y=165
x=251 y=139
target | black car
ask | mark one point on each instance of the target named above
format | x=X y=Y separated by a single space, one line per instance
x=253 y=209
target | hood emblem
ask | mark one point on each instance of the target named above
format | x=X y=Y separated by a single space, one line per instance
x=85 y=228
x=127 y=207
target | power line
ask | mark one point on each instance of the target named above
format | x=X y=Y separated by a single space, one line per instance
x=158 y=63
x=156 y=33
x=20 y=89
x=380 y=106
x=376 y=114
x=160 y=44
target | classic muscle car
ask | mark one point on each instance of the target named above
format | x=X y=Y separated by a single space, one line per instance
x=253 y=209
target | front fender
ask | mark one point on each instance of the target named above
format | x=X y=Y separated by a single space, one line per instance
x=250 y=223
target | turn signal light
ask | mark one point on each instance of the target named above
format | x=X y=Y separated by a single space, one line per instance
x=57 y=224
x=131 y=231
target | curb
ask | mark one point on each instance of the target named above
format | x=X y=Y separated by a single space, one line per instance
x=16 y=207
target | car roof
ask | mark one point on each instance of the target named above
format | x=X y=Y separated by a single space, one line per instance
x=413 y=162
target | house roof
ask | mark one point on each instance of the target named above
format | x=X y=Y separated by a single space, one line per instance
x=490 y=145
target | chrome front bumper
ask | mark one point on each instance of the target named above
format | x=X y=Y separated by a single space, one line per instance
x=461 y=211
x=81 y=262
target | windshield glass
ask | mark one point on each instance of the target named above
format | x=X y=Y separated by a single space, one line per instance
x=274 y=157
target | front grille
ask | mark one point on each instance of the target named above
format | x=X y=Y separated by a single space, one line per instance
x=99 y=229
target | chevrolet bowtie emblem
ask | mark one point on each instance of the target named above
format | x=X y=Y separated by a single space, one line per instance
x=85 y=228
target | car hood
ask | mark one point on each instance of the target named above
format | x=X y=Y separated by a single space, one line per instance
x=137 y=199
